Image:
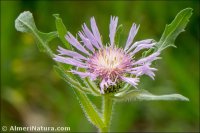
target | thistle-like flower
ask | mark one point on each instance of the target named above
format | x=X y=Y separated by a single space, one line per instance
x=108 y=63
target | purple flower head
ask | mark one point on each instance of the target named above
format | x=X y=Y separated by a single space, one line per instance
x=109 y=64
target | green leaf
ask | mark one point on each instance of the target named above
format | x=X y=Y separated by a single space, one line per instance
x=87 y=106
x=174 y=29
x=140 y=95
x=62 y=31
x=90 y=110
x=25 y=23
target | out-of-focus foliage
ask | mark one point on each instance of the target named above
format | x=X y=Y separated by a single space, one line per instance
x=33 y=94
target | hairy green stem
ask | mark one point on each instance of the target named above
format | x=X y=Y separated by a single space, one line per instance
x=107 y=112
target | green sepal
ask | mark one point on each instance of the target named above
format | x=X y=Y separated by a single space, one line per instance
x=92 y=86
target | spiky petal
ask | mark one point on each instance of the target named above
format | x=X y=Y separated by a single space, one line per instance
x=108 y=64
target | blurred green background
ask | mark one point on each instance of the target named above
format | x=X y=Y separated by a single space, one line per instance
x=33 y=94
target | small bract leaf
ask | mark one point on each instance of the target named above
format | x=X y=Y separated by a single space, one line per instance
x=62 y=31
x=174 y=29
x=140 y=95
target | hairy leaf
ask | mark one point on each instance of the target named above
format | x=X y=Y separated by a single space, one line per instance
x=87 y=106
x=174 y=29
x=25 y=23
x=89 y=109
x=140 y=95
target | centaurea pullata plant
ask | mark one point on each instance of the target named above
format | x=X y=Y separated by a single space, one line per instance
x=106 y=69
